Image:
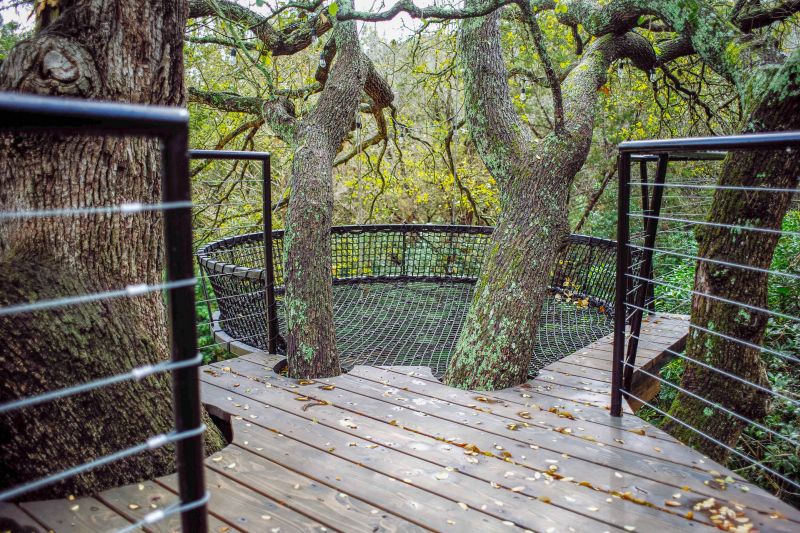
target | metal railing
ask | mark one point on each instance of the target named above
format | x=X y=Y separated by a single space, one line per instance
x=266 y=214
x=36 y=114
x=671 y=210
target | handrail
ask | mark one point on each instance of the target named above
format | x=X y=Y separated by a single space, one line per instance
x=639 y=301
x=266 y=234
x=27 y=113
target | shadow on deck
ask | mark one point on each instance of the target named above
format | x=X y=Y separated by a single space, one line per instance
x=392 y=449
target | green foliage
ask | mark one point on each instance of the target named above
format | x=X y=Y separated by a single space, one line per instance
x=205 y=337
x=407 y=177
x=10 y=34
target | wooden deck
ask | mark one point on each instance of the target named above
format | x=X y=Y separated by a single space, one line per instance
x=392 y=449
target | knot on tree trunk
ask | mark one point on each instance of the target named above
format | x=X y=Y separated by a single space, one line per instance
x=50 y=65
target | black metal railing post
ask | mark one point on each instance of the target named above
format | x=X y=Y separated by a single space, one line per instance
x=646 y=207
x=183 y=328
x=269 y=264
x=663 y=151
x=623 y=231
x=269 y=270
x=38 y=114
x=646 y=271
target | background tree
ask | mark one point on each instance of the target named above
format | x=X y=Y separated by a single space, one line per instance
x=113 y=50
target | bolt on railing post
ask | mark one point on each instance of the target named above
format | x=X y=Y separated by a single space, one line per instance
x=183 y=328
x=269 y=271
x=623 y=231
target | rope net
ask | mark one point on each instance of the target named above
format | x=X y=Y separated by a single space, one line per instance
x=401 y=292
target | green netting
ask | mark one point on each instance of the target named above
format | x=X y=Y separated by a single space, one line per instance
x=401 y=293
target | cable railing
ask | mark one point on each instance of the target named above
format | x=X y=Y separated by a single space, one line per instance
x=728 y=271
x=21 y=115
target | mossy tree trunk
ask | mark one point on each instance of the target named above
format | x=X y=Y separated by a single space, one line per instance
x=111 y=50
x=499 y=333
x=779 y=110
x=534 y=178
x=311 y=340
x=344 y=77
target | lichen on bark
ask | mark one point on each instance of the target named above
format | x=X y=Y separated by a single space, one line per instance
x=534 y=178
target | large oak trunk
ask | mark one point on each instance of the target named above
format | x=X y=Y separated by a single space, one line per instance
x=499 y=334
x=534 y=179
x=311 y=342
x=730 y=207
x=109 y=50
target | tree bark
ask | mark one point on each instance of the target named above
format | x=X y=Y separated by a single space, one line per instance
x=311 y=342
x=779 y=110
x=109 y=50
x=534 y=180
x=315 y=139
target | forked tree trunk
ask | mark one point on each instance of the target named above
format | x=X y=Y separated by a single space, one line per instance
x=109 y=50
x=311 y=341
x=534 y=179
x=780 y=110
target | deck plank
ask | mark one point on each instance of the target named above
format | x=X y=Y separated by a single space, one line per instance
x=650 y=472
x=496 y=468
x=662 y=479
x=526 y=395
x=371 y=470
x=335 y=508
x=246 y=509
x=634 y=438
x=12 y=516
x=81 y=514
x=136 y=500
x=393 y=450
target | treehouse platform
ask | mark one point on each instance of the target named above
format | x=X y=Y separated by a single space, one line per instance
x=393 y=449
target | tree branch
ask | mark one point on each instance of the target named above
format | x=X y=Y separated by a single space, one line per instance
x=221 y=42
x=451 y=163
x=764 y=16
x=286 y=41
x=431 y=12
x=278 y=112
x=550 y=73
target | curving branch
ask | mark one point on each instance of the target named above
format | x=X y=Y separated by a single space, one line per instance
x=286 y=41
x=221 y=42
x=552 y=79
x=452 y=165
x=761 y=16
x=478 y=9
x=372 y=141
x=278 y=112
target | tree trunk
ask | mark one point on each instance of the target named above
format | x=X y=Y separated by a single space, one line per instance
x=125 y=51
x=499 y=334
x=534 y=179
x=778 y=111
x=311 y=342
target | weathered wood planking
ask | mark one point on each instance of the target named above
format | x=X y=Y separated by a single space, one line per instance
x=589 y=369
x=356 y=401
x=392 y=449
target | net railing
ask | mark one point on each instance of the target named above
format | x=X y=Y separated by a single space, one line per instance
x=718 y=237
x=402 y=291
x=22 y=116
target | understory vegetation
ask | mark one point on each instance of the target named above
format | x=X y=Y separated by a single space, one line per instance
x=781 y=353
